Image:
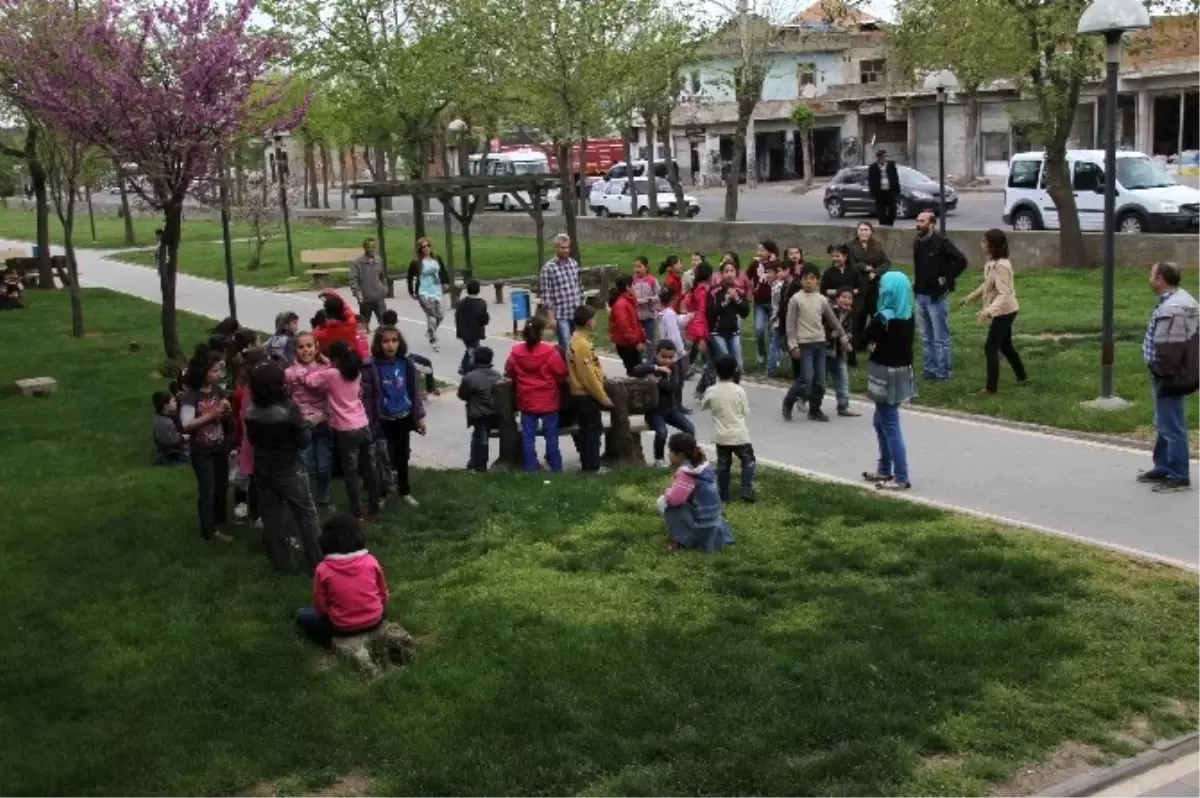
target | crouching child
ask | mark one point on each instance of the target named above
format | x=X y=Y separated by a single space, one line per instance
x=690 y=505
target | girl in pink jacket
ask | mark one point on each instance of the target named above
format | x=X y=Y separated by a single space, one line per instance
x=314 y=407
x=350 y=593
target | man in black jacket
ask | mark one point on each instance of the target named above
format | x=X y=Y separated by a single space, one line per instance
x=937 y=263
x=884 y=184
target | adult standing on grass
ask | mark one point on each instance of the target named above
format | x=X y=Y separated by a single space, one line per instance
x=368 y=283
x=558 y=288
x=1171 y=350
x=427 y=281
x=868 y=256
x=999 y=295
x=937 y=264
x=890 y=383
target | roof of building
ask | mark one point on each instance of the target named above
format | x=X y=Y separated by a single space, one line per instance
x=825 y=12
x=1170 y=38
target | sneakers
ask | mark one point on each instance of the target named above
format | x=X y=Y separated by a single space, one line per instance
x=1171 y=485
x=241 y=511
x=787 y=412
x=1152 y=477
x=601 y=471
x=410 y=501
x=846 y=412
x=892 y=485
x=660 y=463
x=221 y=537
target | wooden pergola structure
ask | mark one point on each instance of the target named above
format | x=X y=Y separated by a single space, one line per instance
x=446 y=190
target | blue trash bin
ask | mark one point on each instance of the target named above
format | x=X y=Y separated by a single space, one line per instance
x=519 y=303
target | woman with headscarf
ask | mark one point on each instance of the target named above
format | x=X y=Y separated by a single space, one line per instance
x=869 y=258
x=890 y=383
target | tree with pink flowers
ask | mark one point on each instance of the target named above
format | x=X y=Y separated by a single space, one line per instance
x=163 y=84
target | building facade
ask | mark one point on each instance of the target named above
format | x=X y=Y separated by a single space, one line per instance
x=843 y=73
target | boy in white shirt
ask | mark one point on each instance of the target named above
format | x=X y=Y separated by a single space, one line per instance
x=729 y=406
x=671 y=324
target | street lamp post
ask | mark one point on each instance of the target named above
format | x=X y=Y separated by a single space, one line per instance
x=1110 y=19
x=281 y=174
x=941 y=81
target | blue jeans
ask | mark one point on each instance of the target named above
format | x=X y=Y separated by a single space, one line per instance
x=659 y=422
x=480 y=432
x=562 y=332
x=777 y=346
x=835 y=364
x=728 y=344
x=933 y=318
x=745 y=456
x=1171 y=444
x=529 y=433
x=315 y=626
x=317 y=461
x=810 y=383
x=648 y=326
x=356 y=448
x=762 y=331
x=893 y=457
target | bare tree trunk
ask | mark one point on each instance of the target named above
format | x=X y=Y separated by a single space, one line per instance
x=342 y=173
x=130 y=236
x=673 y=180
x=91 y=212
x=568 y=200
x=37 y=175
x=324 y=177
x=172 y=229
x=972 y=143
x=1058 y=182
x=68 y=225
x=239 y=176
x=806 y=155
x=266 y=178
x=627 y=147
x=735 y=170
x=651 y=179
x=581 y=182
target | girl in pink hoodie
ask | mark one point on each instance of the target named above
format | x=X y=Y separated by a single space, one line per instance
x=350 y=593
x=342 y=385
x=314 y=407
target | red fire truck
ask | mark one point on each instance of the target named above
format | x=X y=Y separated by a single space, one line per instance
x=601 y=154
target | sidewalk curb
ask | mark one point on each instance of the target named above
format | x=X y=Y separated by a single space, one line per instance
x=1161 y=753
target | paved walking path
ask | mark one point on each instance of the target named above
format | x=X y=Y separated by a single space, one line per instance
x=1178 y=779
x=1064 y=486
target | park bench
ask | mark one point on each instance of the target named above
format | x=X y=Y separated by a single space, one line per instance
x=622 y=438
x=27 y=267
x=322 y=261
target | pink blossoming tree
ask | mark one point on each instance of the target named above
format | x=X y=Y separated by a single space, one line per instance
x=163 y=84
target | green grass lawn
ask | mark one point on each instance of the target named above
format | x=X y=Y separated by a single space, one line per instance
x=1057 y=334
x=110 y=231
x=846 y=645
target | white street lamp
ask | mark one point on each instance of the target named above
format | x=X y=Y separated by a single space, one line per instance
x=941 y=82
x=1110 y=19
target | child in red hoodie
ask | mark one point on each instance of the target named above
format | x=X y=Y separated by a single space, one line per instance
x=624 y=329
x=350 y=593
x=340 y=323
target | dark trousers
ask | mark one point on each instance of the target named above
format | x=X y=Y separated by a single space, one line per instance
x=398 y=434
x=368 y=309
x=320 y=629
x=630 y=357
x=680 y=377
x=467 y=361
x=745 y=456
x=249 y=497
x=425 y=365
x=212 y=484
x=885 y=208
x=356 y=451
x=591 y=431
x=281 y=495
x=999 y=339
x=659 y=423
x=480 y=434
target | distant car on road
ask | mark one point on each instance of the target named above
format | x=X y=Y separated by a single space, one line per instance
x=613 y=199
x=848 y=194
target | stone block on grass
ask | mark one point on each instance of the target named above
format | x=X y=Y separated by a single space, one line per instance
x=373 y=652
x=37 y=386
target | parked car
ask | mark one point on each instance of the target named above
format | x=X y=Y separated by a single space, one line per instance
x=612 y=199
x=847 y=193
x=1148 y=199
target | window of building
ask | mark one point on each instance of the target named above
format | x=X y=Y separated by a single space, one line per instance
x=1022 y=138
x=995 y=147
x=872 y=71
x=806 y=75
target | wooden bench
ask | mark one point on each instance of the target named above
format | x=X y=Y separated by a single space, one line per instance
x=322 y=260
x=27 y=268
x=527 y=283
x=623 y=438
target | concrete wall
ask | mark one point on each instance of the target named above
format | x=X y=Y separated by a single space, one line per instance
x=1029 y=250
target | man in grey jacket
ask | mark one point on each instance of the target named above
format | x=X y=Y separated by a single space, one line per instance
x=368 y=283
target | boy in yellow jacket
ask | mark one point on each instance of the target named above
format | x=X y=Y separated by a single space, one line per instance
x=585 y=379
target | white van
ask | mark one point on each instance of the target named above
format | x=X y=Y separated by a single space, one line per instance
x=520 y=162
x=1148 y=199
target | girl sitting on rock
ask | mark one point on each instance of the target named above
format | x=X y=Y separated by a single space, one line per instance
x=350 y=593
x=691 y=505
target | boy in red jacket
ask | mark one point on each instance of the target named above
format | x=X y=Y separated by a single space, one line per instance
x=350 y=594
x=625 y=330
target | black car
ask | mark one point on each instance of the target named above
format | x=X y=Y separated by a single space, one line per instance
x=847 y=193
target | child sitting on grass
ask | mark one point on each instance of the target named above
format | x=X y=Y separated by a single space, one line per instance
x=476 y=390
x=350 y=593
x=690 y=506
x=729 y=406
x=170 y=445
